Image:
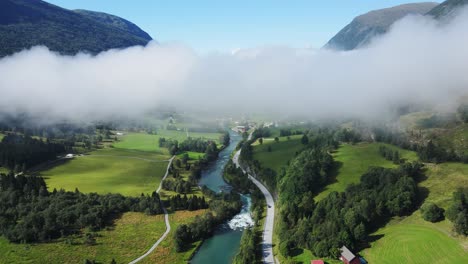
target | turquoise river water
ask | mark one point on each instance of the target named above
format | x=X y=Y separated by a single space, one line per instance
x=222 y=247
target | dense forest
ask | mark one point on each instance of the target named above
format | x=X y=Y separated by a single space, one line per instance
x=348 y=217
x=30 y=213
x=19 y=152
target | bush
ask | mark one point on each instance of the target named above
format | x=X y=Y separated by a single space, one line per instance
x=432 y=213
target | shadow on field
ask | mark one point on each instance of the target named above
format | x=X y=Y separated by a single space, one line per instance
x=46 y=166
x=334 y=172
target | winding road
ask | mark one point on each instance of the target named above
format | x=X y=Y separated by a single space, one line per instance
x=166 y=219
x=267 y=242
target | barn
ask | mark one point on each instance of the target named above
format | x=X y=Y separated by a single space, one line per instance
x=348 y=257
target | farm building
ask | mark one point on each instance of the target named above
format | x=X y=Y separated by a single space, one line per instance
x=319 y=261
x=348 y=257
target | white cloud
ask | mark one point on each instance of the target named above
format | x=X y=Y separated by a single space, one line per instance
x=419 y=61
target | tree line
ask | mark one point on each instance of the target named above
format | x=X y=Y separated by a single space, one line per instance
x=192 y=203
x=347 y=218
x=390 y=154
x=222 y=208
x=191 y=144
x=19 y=152
x=30 y=213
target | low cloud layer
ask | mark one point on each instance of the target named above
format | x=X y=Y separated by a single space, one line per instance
x=419 y=61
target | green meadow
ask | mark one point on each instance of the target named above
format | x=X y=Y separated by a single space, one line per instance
x=130 y=237
x=281 y=152
x=129 y=176
x=165 y=252
x=355 y=160
x=133 y=165
x=413 y=240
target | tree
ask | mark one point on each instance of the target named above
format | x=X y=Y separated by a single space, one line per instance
x=360 y=232
x=286 y=247
x=305 y=140
x=276 y=139
x=431 y=212
x=260 y=140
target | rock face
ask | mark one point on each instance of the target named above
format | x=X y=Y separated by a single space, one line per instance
x=447 y=9
x=363 y=28
x=26 y=23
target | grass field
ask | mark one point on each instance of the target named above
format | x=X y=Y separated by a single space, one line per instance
x=131 y=236
x=412 y=120
x=280 y=154
x=165 y=252
x=139 y=141
x=432 y=242
x=355 y=160
x=1 y=136
x=192 y=155
x=106 y=174
x=129 y=168
x=456 y=138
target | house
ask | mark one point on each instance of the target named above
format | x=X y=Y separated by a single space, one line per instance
x=241 y=129
x=348 y=257
x=69 y=156
x=319 y=261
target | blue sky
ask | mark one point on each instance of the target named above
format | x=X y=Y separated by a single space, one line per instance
x=209 y=25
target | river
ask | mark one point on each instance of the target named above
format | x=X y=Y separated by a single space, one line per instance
x=223 y=246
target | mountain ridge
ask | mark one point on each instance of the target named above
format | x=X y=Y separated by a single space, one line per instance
x=24 y=24
x=363 y=28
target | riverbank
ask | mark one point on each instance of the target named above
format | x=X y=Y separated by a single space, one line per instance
x=224 y=244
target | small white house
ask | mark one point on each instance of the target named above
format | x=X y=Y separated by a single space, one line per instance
x=119 y=134
x=69 y=156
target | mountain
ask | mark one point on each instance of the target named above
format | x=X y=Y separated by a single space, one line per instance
x=447 y=8
x=115 y=21
x=363 y=28
x=27 y=23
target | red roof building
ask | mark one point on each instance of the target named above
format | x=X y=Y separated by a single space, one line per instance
x=348 y=257
x=317 y=262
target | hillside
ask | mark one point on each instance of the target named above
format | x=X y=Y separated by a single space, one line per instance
x=24 y=24
x=363 y=28
x=447 y=8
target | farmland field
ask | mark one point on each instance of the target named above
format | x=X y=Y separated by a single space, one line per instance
x=129 y=168
x=106 y=174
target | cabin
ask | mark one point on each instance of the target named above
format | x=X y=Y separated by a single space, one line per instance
x=348 y=257
x=318 y=261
